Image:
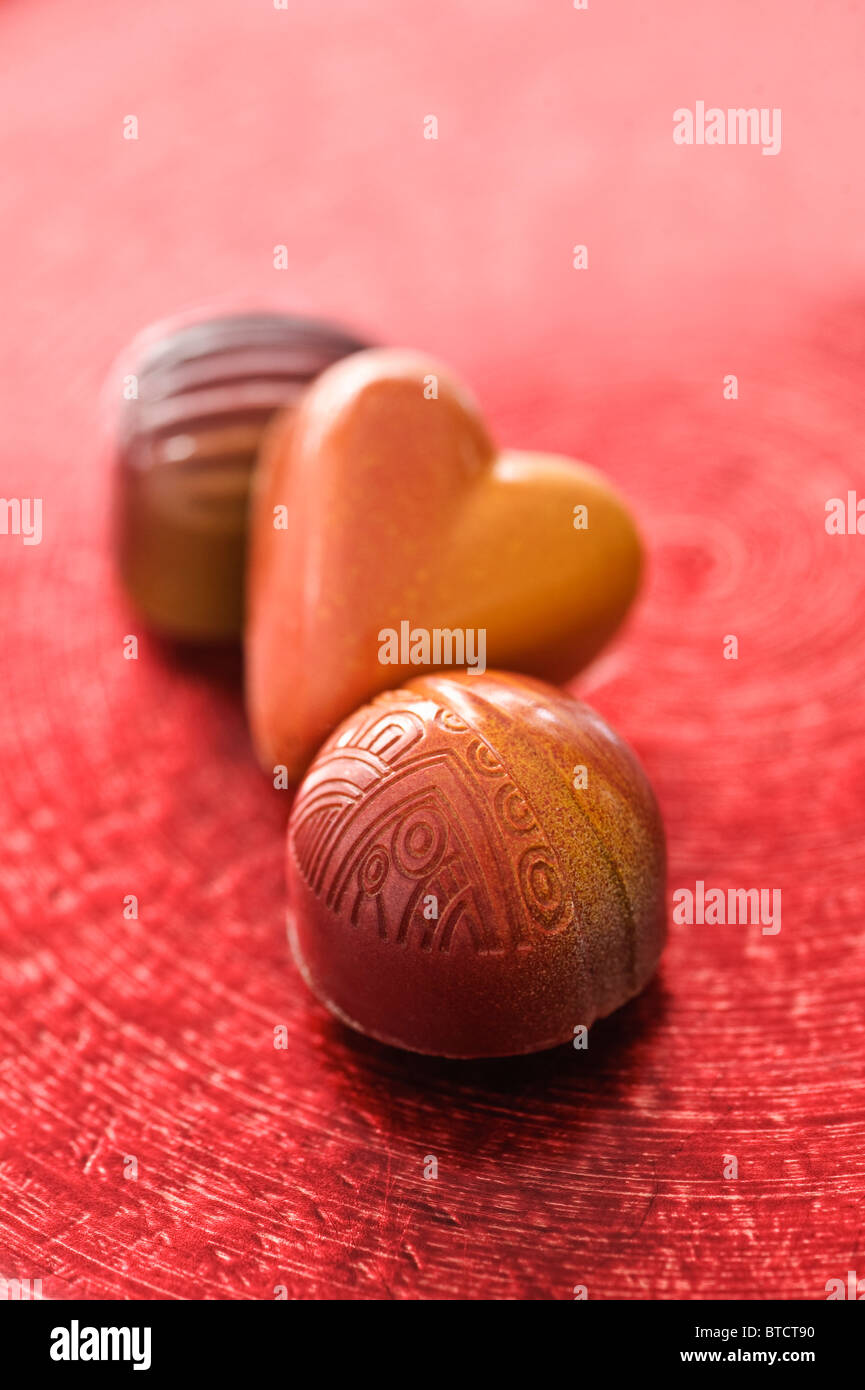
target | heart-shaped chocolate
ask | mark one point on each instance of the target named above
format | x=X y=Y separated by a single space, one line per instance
x=389 y=536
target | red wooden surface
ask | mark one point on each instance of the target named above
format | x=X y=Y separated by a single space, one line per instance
x=304 y=1167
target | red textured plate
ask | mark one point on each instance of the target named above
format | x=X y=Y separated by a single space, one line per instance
x=154 y=1141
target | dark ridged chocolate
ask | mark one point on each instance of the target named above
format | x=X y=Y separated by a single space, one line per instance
x=186 y=451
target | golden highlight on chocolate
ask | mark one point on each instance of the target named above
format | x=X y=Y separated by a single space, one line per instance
x=403 y=510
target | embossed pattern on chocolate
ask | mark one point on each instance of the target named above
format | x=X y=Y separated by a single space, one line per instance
x=452 y=891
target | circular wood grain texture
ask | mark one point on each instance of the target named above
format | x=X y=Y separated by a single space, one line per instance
x=152 y=1039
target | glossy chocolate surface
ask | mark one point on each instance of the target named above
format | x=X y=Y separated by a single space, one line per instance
x=187 y=447
x=402 y=509
x=457 y=886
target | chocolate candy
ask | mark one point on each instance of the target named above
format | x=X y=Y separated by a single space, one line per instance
x=187 y=446
x=403 y=516
x=476 y=868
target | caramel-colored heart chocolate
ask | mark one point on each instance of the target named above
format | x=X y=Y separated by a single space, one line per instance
x=383 y=507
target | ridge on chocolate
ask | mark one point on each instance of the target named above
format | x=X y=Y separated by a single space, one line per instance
x=186 y=448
